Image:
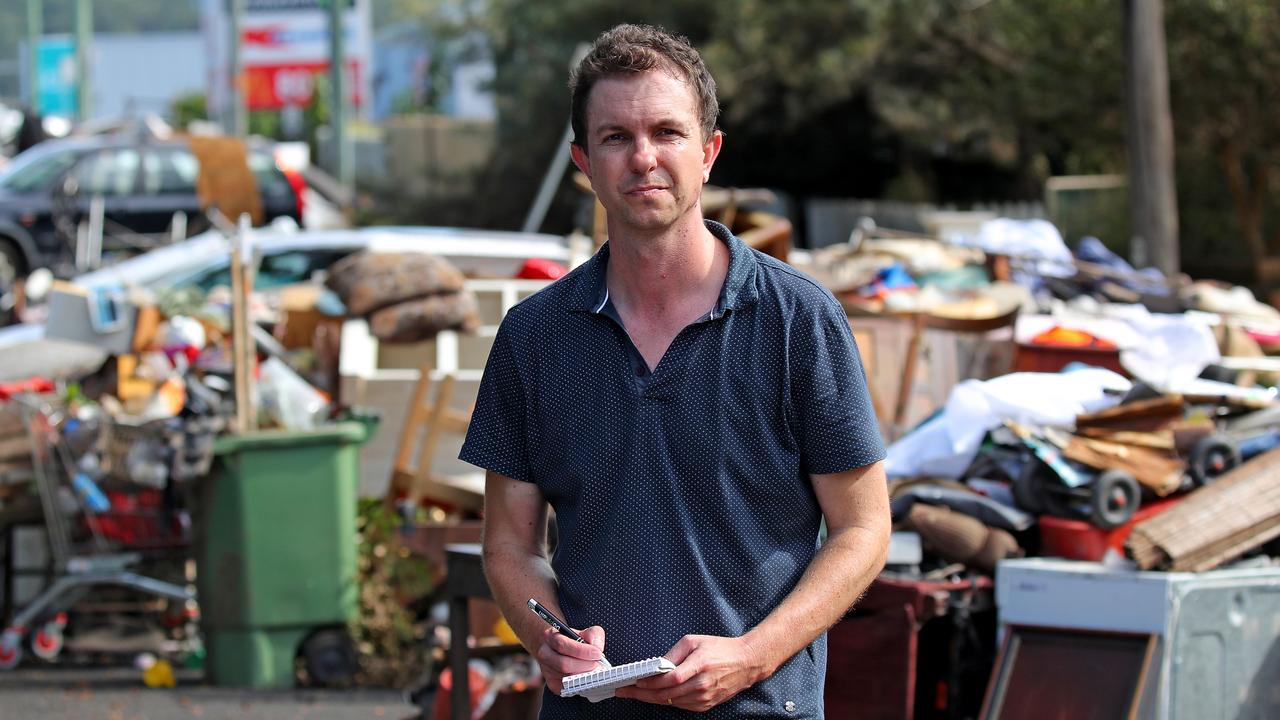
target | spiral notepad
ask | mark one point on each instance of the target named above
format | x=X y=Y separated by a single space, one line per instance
x=598 y=685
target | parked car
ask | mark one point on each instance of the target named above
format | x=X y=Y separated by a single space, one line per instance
x=144 y=183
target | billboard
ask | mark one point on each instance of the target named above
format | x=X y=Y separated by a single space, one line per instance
x=56 y=75
x=284 y=46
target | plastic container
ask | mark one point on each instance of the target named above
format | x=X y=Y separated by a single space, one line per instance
x=1029 y=357
x=1082 y=540
x=277 y=551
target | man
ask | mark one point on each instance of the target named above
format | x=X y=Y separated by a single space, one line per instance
x=691 y=409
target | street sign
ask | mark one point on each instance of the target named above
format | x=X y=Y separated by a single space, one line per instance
x=284 y=45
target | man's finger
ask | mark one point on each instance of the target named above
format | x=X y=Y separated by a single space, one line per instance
x=595 y=636
x=572 y=648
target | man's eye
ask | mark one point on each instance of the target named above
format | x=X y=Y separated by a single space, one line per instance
x=616 y=137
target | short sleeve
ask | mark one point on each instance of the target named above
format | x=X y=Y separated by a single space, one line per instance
x=833 y=419
x=496 y=436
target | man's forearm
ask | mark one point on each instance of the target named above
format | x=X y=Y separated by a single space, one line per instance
x=837 y=576
x=515 y=576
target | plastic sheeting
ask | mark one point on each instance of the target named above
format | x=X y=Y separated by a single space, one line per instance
x=946 y=444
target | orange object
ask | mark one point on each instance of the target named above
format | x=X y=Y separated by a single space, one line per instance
x=1059 y=336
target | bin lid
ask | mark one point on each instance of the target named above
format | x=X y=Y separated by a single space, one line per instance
x=336 y=433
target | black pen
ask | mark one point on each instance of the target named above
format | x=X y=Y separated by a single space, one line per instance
x=560 y=626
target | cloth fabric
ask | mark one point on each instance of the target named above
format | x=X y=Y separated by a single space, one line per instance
x=681 y=495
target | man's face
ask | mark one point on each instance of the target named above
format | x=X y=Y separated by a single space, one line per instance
x=644 y=150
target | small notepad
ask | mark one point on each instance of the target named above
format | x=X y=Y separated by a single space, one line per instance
x=599 y=685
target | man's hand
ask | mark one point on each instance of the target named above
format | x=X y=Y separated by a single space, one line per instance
x=709 y=670
x=559 y=656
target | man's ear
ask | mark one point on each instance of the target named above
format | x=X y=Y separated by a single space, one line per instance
x=710 y=151
x=579 y=155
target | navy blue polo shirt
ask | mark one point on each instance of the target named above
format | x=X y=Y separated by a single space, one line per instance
x=682 y=496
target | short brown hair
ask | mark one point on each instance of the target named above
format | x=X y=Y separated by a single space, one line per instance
x=628 y=49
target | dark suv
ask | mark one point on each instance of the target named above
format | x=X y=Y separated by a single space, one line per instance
x=46 y=192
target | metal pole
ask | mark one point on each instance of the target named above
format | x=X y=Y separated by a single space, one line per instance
x=555 y=171
x=338 y=101
x=237 y=112
x=35 y=28
x=1153 y=195
x=84 y=37
x=550 y=183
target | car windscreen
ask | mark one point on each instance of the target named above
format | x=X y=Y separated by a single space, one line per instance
x=37 y=168
x=275 y=271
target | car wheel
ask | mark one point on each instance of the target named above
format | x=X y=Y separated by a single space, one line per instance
x=11 y=268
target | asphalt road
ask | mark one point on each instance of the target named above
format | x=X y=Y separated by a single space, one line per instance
x=119 y=694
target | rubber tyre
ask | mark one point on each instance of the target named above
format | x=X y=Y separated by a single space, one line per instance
x=1116 y=495
x=10 y=650
x=47 y=642
x=1212 y=456
x=1028 y=489
x=330 y=658
x=12 y=267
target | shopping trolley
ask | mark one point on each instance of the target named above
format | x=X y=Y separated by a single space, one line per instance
x=68 y=493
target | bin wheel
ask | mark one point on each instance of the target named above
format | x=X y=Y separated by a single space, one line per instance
x=330 y=657
x=1115 y=499
x=1212 y=456
x=10 y=649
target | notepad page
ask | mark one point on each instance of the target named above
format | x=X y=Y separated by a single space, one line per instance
x=598 y=685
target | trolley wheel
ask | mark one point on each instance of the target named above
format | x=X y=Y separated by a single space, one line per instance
x=47 y=642
x=10 y=649
x=1115 y=499
x=1212 y=456
x=330 y=657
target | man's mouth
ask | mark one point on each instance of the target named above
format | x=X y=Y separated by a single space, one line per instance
x=643 y=190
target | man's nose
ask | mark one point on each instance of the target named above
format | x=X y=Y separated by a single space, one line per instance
x=644 y=156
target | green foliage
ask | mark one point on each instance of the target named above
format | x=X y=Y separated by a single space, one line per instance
x=192 y=106
x=390 y=644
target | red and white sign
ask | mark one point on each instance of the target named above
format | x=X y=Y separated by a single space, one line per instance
x=284 y=45
x=269 y=87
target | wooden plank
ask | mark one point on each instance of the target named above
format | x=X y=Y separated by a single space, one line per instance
x=1141 y=416
x=1158 y=471
x=1162 y=440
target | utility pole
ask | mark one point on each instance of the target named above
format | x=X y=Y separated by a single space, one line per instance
x=237 y=112
x=35 y=28
x=338 y=101
x=1153 y=201
x=84 y=38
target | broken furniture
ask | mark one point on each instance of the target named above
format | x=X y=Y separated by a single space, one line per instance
x=920 y=322
x=429 y=418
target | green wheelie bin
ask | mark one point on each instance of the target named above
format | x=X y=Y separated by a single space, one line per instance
x=276 y=555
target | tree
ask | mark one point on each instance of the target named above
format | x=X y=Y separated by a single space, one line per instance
x=1222 y=58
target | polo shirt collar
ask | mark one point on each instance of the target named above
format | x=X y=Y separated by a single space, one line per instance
x=592 y=292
